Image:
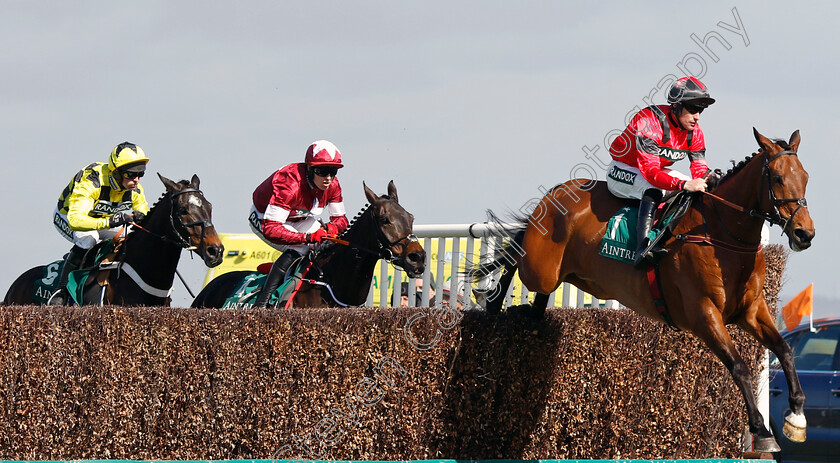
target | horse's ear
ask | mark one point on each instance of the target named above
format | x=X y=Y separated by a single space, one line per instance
x=169 y=184
x=392 y=191
x=369 y=194
x=794 y=141
x=763 y=141
x=194 y=182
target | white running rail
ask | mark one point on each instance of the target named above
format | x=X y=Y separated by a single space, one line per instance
x=448 y=245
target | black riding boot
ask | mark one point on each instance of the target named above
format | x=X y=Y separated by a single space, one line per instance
x=647 y=209
x=71 y=262
x=275 y=277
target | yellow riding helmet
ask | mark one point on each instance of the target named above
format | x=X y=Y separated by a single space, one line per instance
x=126 y=153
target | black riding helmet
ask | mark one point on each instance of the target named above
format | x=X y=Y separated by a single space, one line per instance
x=689 y=90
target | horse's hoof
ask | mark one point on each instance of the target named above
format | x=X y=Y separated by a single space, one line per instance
x=766 y=444
x=794 y=433
x=491 y=307
x=794 y=427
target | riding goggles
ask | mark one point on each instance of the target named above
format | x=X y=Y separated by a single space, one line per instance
x=693 y=109
x=132 y=175
x=323 y=171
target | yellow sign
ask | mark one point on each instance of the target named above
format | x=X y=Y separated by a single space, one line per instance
x=242 y=252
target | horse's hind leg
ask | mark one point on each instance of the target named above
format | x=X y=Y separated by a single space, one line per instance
x=539 y=305
x=761 y=327
x=497 y=294
x=713 y=332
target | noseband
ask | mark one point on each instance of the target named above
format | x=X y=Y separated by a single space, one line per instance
x=775 y=218
x=387 y=253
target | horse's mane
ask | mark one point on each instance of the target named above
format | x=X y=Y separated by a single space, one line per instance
x=737 y=167
x=162 y=196
x=360 y=214
x=166 y=193
x=328 y=245
x=355 y=219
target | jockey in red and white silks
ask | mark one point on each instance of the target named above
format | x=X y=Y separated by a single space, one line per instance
x=286 y=206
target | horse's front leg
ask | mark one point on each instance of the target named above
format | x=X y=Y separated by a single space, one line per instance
x=713 y=332
x=759 y=324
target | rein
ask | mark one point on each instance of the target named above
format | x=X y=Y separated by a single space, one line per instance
x=709 y=240
x=384 y=251
x=381 y=254
x=728 y=203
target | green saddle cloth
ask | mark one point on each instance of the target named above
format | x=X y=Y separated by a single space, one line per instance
x=619 y=241
x=45 y=286
x=76 y=281
x=246 y=293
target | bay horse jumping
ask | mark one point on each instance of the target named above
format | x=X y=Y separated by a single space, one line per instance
x=181 y=219
x=712 y=275
x=383 y=230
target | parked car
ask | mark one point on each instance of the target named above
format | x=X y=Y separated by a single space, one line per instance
x=817 y=360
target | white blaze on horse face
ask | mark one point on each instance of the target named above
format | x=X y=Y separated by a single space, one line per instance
x=195 y=201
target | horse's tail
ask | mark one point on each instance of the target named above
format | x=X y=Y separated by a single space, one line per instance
x=504 y=255
x=489 y=286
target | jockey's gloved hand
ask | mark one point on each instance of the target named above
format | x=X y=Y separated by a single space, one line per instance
x=331 y=229
x=120 y=218
x=317 y=236
x=138 y=216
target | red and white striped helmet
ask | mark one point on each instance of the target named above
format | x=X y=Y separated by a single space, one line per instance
x=323 y=153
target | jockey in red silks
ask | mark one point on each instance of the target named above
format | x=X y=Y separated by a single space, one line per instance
x=287 y=205
x=656 y=137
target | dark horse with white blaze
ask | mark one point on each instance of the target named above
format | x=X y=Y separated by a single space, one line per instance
x=712 y=275
x=383 y=230
x=181 y=219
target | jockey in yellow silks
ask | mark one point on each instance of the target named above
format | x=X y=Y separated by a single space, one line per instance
x=98 y=201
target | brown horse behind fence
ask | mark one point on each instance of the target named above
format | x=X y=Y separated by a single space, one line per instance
x=713 y=274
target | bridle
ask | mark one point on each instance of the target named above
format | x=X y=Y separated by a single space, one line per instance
x=386 y=246
x=775 y=218
x=177 y=231
x=385 y=250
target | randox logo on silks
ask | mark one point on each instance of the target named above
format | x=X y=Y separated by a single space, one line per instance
x=672 y=154
x=621 y=175
x=105 y=207
x=255 y=221
x=62 y=224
